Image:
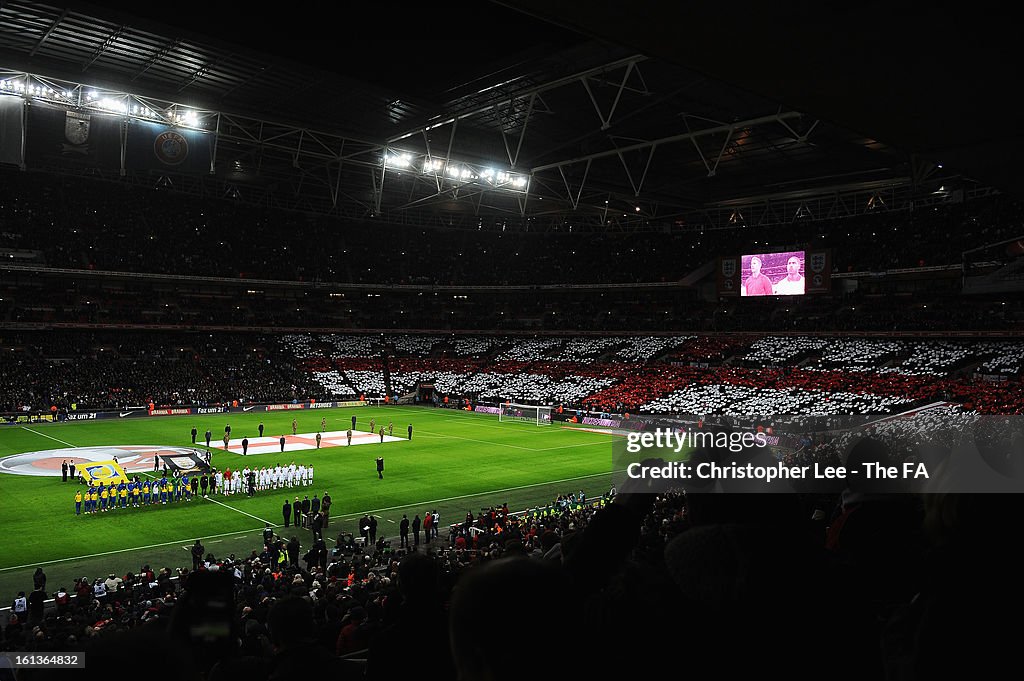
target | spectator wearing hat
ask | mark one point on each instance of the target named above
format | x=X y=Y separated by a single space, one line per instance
x=83 y=592
x=113 y=582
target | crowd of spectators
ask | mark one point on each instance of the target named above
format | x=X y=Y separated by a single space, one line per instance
x=87 y=223
x=101 y=369
x=753 y=583
x=46 y=298
x=97 y=370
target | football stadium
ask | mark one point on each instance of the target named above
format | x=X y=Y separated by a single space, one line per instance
x=560 y=340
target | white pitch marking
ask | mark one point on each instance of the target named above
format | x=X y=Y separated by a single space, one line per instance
x=484 y=442
x=476 y=494
x=134 y=548
x=49 y=436
x=528 y=449
x=585 y=444
x=220 y=503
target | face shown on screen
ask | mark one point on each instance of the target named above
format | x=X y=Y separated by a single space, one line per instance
x=793 y=268
x=755 y=266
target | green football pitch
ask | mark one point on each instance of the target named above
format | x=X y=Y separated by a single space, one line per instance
x=456 y=462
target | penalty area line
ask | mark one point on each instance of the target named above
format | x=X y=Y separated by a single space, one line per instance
x=49 y=436
x=483 y=442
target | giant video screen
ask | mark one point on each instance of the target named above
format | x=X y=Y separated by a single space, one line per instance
x=772 y=274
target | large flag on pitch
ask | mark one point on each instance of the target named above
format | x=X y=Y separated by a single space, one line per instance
x=107 y=472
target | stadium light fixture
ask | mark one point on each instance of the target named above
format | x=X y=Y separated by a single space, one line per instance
x=399 y=161
x=68 y=93
x=112 y=105
x=455 y=171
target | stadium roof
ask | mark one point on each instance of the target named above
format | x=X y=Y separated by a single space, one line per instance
x=614 y=115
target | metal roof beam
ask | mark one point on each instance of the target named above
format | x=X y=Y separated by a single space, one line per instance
x=728 y=128
x=201 y=72
x=606 y=121
x=111 y=39
x=513 y=157
x=155 y=59
x=627 y=62
x=49 y=32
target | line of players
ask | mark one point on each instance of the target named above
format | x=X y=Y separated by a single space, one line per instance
x=277 y=477
x=373 y=425
x=135 y=493
x=295 y=428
